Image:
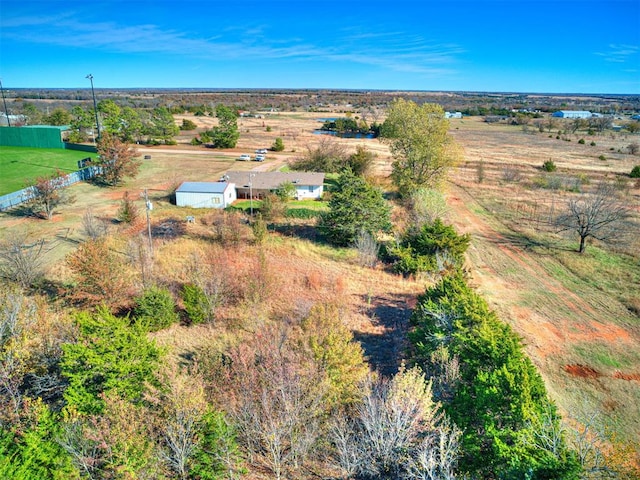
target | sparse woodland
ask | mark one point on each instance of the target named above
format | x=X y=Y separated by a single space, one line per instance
x=231 y=347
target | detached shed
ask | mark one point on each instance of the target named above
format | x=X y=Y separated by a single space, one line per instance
x=205 y=194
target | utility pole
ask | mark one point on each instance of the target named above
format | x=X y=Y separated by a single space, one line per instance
x=95 y=107
x=4 y=100
x=149 y=207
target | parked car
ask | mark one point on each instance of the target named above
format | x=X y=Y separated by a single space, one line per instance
x=261 y=151
x=259 y=158
x=245 y=157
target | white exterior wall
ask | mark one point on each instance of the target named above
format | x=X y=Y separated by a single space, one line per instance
x=199 y=200
x=572 y=114
x=230 y=195
x=308 y=192
x=206 y=200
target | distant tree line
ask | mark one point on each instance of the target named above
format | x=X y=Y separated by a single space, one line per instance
x=348 y=125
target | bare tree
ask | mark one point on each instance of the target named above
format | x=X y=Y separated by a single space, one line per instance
x=17 y=314
x=396 y=432
x=21 y=259
x=183 y=404
x=600 y=215
x=600 y=123
x=367 y=248
x=81 y=446
x=93 y=227
x=275 y=402
x=47 y=194
x=327 y=156
x=437 y=455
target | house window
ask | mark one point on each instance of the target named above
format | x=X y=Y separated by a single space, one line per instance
x=216 y=199
x=311 y=188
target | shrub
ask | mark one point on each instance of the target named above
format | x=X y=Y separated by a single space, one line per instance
x=425 y=249
x=581 y=141
x=278 y=145
x=593 y=144
x=635 y=172
x=549 y=166
x=188 y=124
x=196 y=303
x=155 y=308
x=303 y=213
x=511 y=175
x=128 y=211
x=259 y=228
x=602 y=157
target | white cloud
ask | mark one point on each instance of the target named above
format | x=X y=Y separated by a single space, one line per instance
x=619 y=53
x=394 y=51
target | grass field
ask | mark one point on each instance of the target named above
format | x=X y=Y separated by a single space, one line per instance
x=18 y=164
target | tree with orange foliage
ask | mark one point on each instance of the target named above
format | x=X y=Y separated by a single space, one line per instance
x=98 y=272
x=116 y=159
x=47 y=193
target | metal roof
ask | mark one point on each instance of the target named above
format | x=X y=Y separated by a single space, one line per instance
x=271 y=180
x=203 y=187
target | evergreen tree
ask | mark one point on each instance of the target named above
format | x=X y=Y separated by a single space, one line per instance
x=355 y=206
x=110 y=356
x=226 y=134
x=30 y=450
x=499 y=397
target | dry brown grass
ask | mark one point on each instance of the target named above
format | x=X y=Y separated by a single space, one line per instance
x=571 y=311
x=564 y=320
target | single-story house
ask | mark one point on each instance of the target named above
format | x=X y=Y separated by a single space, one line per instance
x=572 y=114
x=206 y=194
x=309 y=185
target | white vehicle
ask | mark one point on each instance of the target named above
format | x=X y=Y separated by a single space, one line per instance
x=259 y=158
x=245 y=157
x=261 y=151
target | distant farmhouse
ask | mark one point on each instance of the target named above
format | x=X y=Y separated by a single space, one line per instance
x=573 y=114
x=205 y=194
x=452 y=114
x=309 y=185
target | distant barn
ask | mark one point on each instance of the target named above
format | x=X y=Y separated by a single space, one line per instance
x=572 y=114
x=205 y=194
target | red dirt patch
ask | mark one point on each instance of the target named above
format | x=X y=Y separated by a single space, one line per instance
x=581 y=371
x=627 y=376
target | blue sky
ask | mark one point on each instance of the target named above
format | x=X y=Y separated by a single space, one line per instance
x=560 y=46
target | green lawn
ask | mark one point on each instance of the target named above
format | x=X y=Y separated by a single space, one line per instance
x=17 y=164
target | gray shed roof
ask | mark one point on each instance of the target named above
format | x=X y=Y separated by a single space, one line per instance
x=271 y=180
x=203 y=187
